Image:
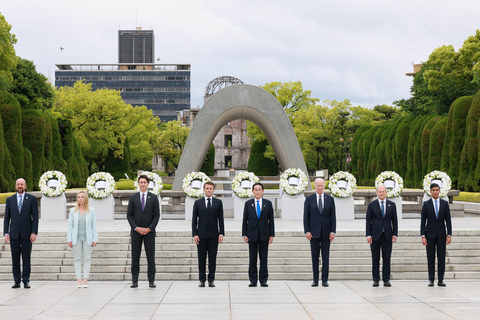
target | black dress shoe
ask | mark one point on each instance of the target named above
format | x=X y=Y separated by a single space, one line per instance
x=152 y=285
x=211 y=284
x=315 y=284
x=134 y=285
x=430 y=283
x=16 y=285
x=201 y=284
x=324 y=284
x=252 y=284
x=441 y=284
x=264 y=284
x=26 y=285
x=387 y=283
x=375 y=284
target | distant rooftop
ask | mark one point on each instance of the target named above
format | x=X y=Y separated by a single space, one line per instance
x=123 y=66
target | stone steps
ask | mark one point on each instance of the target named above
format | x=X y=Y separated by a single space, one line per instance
x=289 y=257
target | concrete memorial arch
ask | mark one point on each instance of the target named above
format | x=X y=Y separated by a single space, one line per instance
x=241 y=101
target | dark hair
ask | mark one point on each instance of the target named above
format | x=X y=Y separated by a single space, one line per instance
x=257 y=184
x=209 y=183
x=143 y=176
x=434 y=185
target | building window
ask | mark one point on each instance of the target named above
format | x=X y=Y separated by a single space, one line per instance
x=228 y=161
x=228 y=140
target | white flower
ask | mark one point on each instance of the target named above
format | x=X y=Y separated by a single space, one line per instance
x=187 y=184
x=237 y=184
x=100 y=176
x=293 y=189
x=60 y=187
x=158 y=183
x=390 y=175
x=437 y=175
x=340 y=192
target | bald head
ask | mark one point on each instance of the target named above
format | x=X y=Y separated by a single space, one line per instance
x=20 y=186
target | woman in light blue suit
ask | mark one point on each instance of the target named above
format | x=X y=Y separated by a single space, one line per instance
x=82 y=236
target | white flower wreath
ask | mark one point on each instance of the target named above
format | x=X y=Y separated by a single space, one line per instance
x=52 y=183
x=107 y=188
x=445 y=185
x=386 y=178
x=293 y=181
x=156 y=184
x=349 y=180
x=195 y=191
x=244 y=191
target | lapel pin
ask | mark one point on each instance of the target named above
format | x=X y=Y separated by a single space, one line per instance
x=253 y=205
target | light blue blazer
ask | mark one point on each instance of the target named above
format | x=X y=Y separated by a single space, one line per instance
x=92 y=234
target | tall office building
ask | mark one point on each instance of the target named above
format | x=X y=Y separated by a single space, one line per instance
x=162 y=88
x=136 y=46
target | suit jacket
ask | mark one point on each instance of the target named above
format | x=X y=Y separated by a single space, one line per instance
x=430 y=226
x=24 y=223
x=319 y=225
x=206 y=225
x=147 y=218
x=376 y=223
x=252 y=225
x=72 y=233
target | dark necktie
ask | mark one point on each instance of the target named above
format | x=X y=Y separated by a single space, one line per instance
x=209 y=206
x=383 y=209
x=436 y=209
x=320 y=205
x=143 y=201
x=258 y=209
x=20 y=204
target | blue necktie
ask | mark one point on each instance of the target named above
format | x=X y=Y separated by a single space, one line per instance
x=436 y=209
x=258 y=209
x=383 y=209
x=20 y=204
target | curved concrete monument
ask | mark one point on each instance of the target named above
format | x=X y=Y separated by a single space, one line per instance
x=241 y=101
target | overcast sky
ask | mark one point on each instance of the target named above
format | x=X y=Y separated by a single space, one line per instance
x=357 y=50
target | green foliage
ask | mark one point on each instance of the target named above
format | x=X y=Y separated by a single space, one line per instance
x=387 y=112
x=47 y=149
x=209 y=162
x=425 y=144
x=27 y=168
x=358 y=154
x=31 y=88
x=401 y=147
x=8 y=59
x=381 y=159
x=12 y=127
x=171 y=142
x=437 y=138
x=469 y=154
x=418 y=160
x=257 y=163
x=468 y=197
x=118 y=167
x=4 y=196
x=372 y=157
x=367 y=143
x=66 y=134
x=79 y=159
x=416 y=128
x=58 y=161
x=390 y=143
x=33 y=134
x=9 y=171
x=3 y=146
x=124 y=184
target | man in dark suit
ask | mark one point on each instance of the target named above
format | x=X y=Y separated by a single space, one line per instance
x=143 y=214
x=382 y=231
x=258 y=230
x=20 y=228
x=435 y=214
x=207 y=230
x=319 y=224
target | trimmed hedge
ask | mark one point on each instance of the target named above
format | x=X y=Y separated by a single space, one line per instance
x=27 y=167
x=66 y=134
x=33 y=134
x=257 y=163
x=209 y=162
x=390 y=144
x=358 y=165
x=469 y=157
x=401 y=147
x=367 y=143
x=117 y=167
x=425 y=144
x=437 y=138
x=414 y=136
x=372 y=157
x=3 y=182
x=12 y=125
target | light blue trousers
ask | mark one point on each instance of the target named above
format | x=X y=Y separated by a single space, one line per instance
x=82 y=251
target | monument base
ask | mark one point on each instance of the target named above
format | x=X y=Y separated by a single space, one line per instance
x=189 y=201
x=53 y=208
x=344 y=208
x=292 y=206
x=398 y=204
x=238 y=207
x=104 y=208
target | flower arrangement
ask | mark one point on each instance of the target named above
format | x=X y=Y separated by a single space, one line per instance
x=100 y=193
x=156 y=183
x=383 y=177
x=244 y=191
x=288 y=186
x=52 y=189
x=195 y=190
x=349 y=181
x=446 y=184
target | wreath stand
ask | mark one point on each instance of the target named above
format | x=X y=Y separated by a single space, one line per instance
x=292 y=206
x=53 y=208
x=104 y=208
x=344 y=208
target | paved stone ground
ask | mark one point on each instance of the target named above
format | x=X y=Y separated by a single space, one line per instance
x=235 y=300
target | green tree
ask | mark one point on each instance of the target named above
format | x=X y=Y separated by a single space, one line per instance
x=372 y=157
x=291 y=95
x=3 y=146
x=367 y=144
x=425 y=143
x=12 y=122
x=469 y=157
x=437 y=138
x=171 y=142
x=209 y=162
x=8 y=59
x=415 y=135
x=27 y=168
x=118 y=167
x=33 y=134
x=387 y=112
x=259 y=164
x=401 y=147
x=358 y=154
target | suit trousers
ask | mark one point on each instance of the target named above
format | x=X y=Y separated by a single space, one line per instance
x=315 y=246
x=260 y=248
x=210 y=246
x=82 y=251
x=386 y=247
x=441 y=245
x=149 y=242
x=23 y=247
